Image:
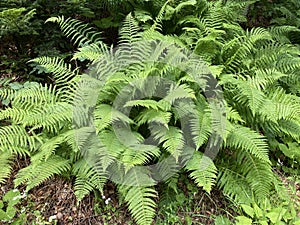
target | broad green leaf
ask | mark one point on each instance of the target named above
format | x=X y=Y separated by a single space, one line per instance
x=275 y=215
x=242 y=220
x=248 y=210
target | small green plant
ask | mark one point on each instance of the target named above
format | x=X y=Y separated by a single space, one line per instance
x=283 y=214
x=12 y=212
x=7 y=207
x=39 y=219
x=170 y=204
x=105 y=209
x=222 y=220
x=178 y=202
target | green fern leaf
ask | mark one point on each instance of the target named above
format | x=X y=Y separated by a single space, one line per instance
x=203 y=171
x=36 y=173
x=246 y=139
x=152 y=115
x=78 y=31
x=91 y=52
x=16 y=140
x=139 y=198
x=258 y=174
x=5 y=166
x=234 y=185
x=88 y=178
x=63 y=73
x=105 y=115
x=171 y=139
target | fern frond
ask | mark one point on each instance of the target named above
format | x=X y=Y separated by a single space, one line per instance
x=171 y=139
x=177 y=92
x=33 y=96
x=140 y=199
x=167 y=168
x=288 y=64
x=152 y=115
x=245 y=45
x=49 y=146
x=234 y=185
x=36 y=173
x=76 y=30
x=265 y=78
x=290 y=128
x=140 y=204
x=258 y=174
x=105 y=115
x=233 y=116
x=88 y=178
x=139 y=154
x=91 y=52
x=50 y=117
x=201 y=128
x=248 y=140
x=247 y=95
x=291 y=150
x=16 y=140
x=5 y=166
x=113 y=146
x=203 y=170
x=280 y=33
x=7 y=93
x=15 y=115
x=61 y=71
x=131 y=48
x=129 y=32
x=147 y=103
x=287 y=106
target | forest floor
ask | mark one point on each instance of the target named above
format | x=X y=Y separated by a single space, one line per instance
x=55 y=200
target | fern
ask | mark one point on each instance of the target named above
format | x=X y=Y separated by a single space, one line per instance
x=88 y=178
x=79 y=32
x=202 y=170
x=172 y=140
x=256 y=64
x=91 y=52
x=258 y=174
x=238 y=190
x=49 y=146
x=124 y=127
x=5 y=166
x=35 y=174
x=62 y=72
x=15 y=140
x=105 y=115
x=248 y=140
x=140 y=204
x=153 y=116
x=140 y=198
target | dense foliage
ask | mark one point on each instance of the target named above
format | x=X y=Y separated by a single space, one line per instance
x=24 y=34
x=258 y=69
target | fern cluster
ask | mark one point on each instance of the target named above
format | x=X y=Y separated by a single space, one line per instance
x=278 y=13
x=256 y=68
